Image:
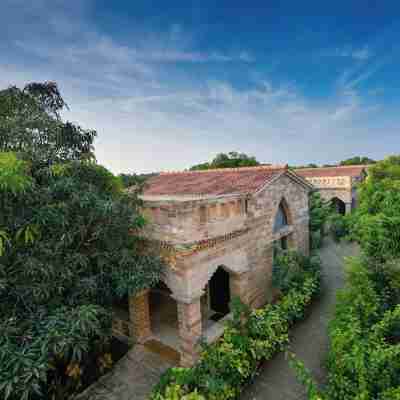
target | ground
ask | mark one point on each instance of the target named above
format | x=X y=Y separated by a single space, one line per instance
x=309 y=339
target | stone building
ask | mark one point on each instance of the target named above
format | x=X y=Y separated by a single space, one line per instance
x=336 y=184
x=217 y=230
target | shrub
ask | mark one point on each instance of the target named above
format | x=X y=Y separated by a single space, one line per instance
x=319 y=213
x=338 y=226
x=227 y=365
x=291 y=268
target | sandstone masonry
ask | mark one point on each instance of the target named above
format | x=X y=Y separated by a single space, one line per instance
x=233 y=224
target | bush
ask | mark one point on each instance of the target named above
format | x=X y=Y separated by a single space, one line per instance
x=319 y=213
x=338 y=226
x=290 y=270
x=227 y=365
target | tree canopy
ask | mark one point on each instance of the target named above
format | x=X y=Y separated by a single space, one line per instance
x=376 y=221
x=357 y=161
x=232 y=159
x=31 y=125
x=69 y=246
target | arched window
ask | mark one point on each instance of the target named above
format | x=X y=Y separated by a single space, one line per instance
x=281 y=219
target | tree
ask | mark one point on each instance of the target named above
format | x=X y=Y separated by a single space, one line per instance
x=135 y=180
x=31 y=125
x=376 y=222
x=230 y=160
x=69 y=246
x=357 y=161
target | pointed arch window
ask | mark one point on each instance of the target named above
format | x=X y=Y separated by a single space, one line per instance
x=281 y=219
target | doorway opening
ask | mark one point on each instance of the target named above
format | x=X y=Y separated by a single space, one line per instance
x=338 y=205
x=219 y=294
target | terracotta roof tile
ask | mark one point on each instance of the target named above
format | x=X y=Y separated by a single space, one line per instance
x=347 y=170
x=212 y=182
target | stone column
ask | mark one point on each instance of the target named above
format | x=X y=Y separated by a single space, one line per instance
x=239 y=286
x=139 y=315
x=348 y=208
x=189 y=320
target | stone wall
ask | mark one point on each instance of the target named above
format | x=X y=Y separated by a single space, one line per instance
x=249 y=250
x=236 y=232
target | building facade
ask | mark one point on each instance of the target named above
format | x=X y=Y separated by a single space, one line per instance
x=336 y=184
x=217 y=230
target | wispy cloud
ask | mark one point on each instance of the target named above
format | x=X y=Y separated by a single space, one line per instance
x=152 y=115
x=358 y=54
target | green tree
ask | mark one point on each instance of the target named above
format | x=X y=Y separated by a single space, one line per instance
x=232 y=159
x=375 y=224
x=69 y=246
x=136 y=180
x=357 y=161
x=31 y=125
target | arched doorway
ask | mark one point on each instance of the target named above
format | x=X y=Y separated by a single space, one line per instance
x=281 y=222
x=219 y=293
x=338 y=205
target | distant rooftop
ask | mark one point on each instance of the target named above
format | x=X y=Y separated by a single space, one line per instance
x=343 y=170
x=214 y=182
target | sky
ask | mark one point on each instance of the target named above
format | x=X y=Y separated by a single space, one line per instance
x=168 y=84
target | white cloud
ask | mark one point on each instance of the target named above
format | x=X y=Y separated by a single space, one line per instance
x=358 y=54
x=150 y=116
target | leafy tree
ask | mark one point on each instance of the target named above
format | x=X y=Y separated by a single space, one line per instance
x=136 y=180
x=358 y=161
x=69 y=246
x=375 y=224
x=31 y=125
x=230 y=160
x=310 y=165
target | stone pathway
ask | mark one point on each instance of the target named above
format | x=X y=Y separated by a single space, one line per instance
x=309 y=341
x=132 y=378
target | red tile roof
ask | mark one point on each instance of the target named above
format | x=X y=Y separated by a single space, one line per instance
x=346 y=170
x=212 y=182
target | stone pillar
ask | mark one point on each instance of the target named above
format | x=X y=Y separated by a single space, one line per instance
x=189 y=320
x=139 y=315
x=239 y=286
x=348 y=208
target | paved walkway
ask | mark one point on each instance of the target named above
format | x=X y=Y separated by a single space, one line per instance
x=309 y=341
x=132 y=378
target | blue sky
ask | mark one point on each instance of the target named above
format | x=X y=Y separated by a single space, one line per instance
x=170 y=84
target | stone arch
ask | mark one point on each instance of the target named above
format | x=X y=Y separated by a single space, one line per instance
x=219 y=291
x=289 y=234
x=232 y=263
x=282 y=207
x=339 y=205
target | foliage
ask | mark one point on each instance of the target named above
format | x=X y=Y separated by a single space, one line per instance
x=319 y=213
x=30 y=124
x=251 y=337
x=338 y=226
x=357 y=160
x=137 y=180
x=69 y=246
x=375 y=224
x=364 y=356
x=291 y=268
x=230 y=160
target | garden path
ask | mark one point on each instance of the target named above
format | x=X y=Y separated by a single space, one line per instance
x=309 y=341
x=132 y=378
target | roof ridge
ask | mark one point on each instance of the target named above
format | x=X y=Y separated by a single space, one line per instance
x=333 y=166
x=255 y=168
